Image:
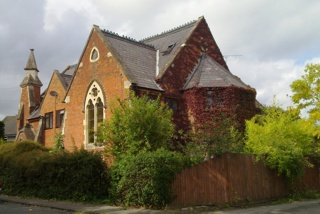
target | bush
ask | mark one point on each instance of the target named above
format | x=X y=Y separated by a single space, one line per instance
x=29 y=169
x=136 y=124
x=145 y=179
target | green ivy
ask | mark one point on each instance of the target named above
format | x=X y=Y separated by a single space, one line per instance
x=218 y=135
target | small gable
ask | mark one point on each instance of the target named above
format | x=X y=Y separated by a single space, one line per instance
x=209 y=73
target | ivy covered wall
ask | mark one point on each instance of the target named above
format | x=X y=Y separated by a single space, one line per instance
x=231 y=101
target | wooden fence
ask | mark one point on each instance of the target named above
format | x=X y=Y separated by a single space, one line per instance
x=234 y=179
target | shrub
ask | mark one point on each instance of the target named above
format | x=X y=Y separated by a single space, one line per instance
x=145 y=179
x=136 y=124
x=29 y=169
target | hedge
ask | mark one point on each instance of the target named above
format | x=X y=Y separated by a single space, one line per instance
x=29 y=169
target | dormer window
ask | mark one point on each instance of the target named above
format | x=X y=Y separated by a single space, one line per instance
x=94 y=56
x=169 y=49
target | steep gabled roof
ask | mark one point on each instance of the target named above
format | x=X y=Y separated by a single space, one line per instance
x=209 y=73
x=137 y=59
x=169 y=43
x=66 y=75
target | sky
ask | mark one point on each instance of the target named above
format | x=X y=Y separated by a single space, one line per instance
x=266 y=43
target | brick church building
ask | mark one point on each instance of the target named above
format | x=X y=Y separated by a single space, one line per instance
x=183 y=65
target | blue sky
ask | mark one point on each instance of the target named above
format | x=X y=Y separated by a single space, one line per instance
x=275 y=39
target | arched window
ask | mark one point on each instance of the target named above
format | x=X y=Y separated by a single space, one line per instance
x=90 y=121
x=94 y=114
x=99 y=107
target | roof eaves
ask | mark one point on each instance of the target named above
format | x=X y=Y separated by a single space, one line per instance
x=115 y=54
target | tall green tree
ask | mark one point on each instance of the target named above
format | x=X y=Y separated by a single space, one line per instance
x=137 y=124
x=306 y=93
x=281 y=139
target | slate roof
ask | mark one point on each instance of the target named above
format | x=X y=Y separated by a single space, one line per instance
x=66 y=75
x=29 y=80
x=35 y=114
x=176 y=37
x=138 y=59
x=69 y=70
x=209 y=73
x=10 y=125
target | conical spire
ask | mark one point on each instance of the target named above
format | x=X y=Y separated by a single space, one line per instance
x=31 y=72
x=31 y=64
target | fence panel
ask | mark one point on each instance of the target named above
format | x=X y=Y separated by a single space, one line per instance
x=234 y=179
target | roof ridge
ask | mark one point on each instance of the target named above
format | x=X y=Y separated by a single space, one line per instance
x=126 y=38
x=170 y=31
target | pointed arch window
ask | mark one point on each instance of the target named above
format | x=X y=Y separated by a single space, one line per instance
x=94 y=114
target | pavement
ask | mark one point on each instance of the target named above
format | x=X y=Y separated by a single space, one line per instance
x=298 y=207
x=78 y=207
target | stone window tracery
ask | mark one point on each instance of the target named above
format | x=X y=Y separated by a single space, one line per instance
x=94 y=114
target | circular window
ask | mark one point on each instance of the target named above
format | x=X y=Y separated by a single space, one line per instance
x=94 y=54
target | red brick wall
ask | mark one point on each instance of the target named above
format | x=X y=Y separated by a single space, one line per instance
x=200 y=41
x=107 y=72
x=51 y=104
x=173 y=80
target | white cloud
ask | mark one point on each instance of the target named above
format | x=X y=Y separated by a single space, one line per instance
x=57 y=13
x=269 y=78
x=274 y=38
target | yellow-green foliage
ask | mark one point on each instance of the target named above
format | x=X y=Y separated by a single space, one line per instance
x=306 y=93
x=281 y=139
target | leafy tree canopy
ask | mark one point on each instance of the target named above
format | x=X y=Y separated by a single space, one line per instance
x=306 y=93
x=282 y=140
x=137 y=124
